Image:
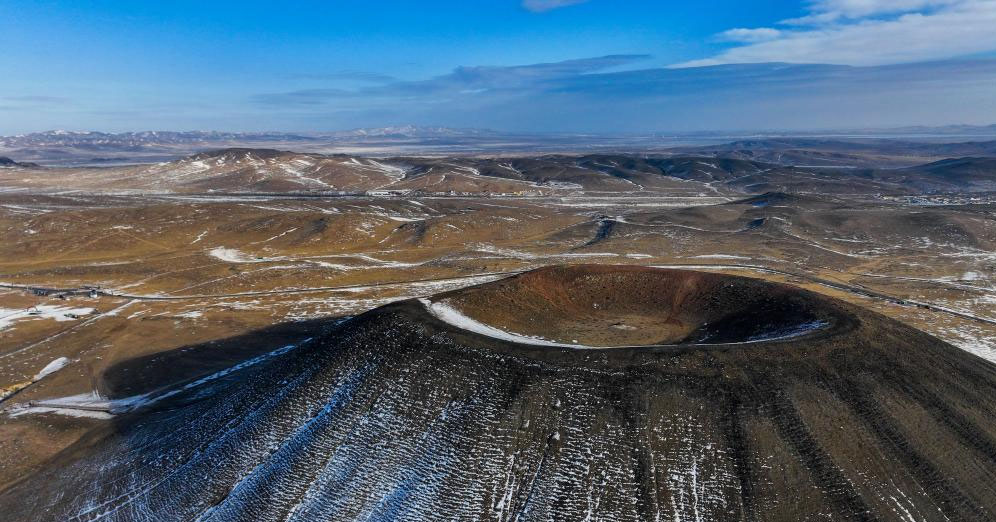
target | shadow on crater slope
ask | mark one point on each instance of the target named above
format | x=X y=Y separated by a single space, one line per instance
x=396 y=415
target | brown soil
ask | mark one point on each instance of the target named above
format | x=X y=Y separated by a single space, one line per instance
x=877 y=421
x=936 y=255
x=603 y=305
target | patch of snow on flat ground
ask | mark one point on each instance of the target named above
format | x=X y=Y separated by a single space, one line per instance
x=59 y=313
x=93 y=405
x=90 y=405
x=591 y=254
x=52 y=367
x=102 y=415
x=972 y=338
x=232 y=255
x=282 y=234
x=719 y=256
x=378 y=263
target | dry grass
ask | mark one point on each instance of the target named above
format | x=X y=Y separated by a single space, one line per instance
x=204 y=253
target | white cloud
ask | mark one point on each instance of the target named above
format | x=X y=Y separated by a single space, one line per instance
x=538 y=6
x=834 y=9
x=739 y=34
x=869 y=32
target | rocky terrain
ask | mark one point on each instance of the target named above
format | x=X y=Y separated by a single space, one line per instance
x=396 y=414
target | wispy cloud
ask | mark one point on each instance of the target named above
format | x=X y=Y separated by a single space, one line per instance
x=822 y=11
x=461 y=81
x=37 y=100
x=594 y=95
x=345 y=75
x=301 y=97
x=539 y=6
x=762 y=34
x=597 y=94
x=867 y=32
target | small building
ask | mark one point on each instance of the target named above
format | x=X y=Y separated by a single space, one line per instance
x=387 y=193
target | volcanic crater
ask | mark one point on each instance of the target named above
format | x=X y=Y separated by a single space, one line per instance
x=599 y=306
x=396 y=414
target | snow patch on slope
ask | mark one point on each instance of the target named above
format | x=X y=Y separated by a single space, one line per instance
x=452 y=316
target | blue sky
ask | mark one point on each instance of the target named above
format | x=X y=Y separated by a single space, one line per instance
x=520 y=65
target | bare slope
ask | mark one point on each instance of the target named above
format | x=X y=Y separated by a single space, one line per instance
x=395 y=415
x=604 y=305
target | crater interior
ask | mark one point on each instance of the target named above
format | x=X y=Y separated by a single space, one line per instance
x=611 y=306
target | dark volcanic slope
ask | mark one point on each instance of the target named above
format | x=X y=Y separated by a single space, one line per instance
x=397 y=416
x=865 y=152
x=9 y=163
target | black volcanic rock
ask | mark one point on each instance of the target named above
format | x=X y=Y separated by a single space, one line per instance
x=7 y=162
x=395 y=415
x=774 y=198
x=962 y=170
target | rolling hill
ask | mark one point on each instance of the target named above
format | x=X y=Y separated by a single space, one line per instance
x=245 y=170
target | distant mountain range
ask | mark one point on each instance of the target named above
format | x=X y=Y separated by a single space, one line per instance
x=955 y=130
x=863 y=153
x=63 y=138
x=871 y=148
x=412 y=131
x=62 y=147
x=75 y=138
